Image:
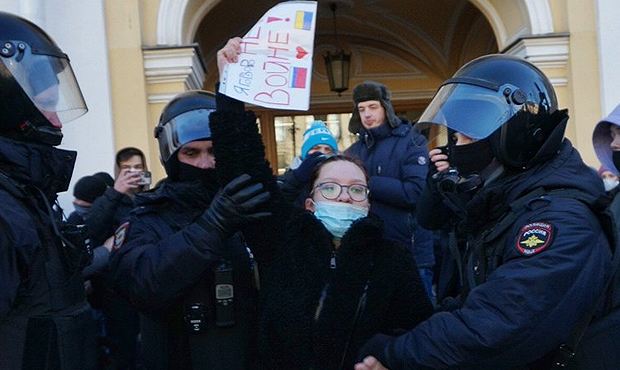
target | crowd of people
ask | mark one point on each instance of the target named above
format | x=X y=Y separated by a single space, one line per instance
x=474 y=238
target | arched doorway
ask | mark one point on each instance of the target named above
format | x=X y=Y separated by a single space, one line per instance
x=409 y=46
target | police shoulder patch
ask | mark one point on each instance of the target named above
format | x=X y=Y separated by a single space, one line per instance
x=119 y=235
x=534 y=238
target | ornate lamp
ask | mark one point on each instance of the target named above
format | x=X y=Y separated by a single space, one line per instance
x=337 y=64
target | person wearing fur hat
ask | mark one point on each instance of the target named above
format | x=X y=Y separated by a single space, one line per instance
x=396 y=159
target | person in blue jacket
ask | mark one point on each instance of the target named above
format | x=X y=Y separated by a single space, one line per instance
x=179 y=259
x=395 y=157
x=534 y=259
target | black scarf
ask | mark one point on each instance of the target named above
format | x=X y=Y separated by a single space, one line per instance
x=471 y=158
x=42 y=166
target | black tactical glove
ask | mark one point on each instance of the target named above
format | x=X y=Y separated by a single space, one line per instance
x=236 y=205
x=306 y=168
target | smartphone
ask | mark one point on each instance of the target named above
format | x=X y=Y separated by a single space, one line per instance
x=145 y=178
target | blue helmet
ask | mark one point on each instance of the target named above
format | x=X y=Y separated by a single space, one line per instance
x=184 y=119
x=38 y=90
x=506 y=100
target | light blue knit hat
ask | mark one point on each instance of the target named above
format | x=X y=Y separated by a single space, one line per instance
x=316 y=134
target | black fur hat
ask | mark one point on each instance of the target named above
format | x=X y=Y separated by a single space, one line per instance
x=371 y=90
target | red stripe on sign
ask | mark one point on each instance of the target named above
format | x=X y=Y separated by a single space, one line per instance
x=299 y=77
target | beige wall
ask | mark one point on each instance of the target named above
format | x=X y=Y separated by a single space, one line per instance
x=123 y=28
x=583 y=76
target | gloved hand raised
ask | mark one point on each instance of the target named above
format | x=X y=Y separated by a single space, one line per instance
x=305 y=169
x=236 y=205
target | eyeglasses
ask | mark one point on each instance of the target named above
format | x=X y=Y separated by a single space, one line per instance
x=332 y=190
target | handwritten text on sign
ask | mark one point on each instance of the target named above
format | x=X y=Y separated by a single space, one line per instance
x=275 y=65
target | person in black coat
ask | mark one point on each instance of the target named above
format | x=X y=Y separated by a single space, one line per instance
x=329 y=278
x=327 y=284
x=178 y=258
x=530 y=257
x=44 y=318
x=112 y=208
x=106 y=213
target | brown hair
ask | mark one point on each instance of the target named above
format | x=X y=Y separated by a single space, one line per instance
x=335 y=158
x=126 y=153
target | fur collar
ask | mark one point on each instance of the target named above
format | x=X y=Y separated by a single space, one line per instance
x=364 y=234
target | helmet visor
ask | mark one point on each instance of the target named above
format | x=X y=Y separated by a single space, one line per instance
x=184 y=128
x=49 y=83
x=474 y=111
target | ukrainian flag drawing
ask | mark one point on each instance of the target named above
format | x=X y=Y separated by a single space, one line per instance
x=303 y=20
x=298 y=77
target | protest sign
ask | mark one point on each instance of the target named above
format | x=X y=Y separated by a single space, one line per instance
x=275 y=65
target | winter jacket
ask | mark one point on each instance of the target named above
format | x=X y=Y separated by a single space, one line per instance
x=397 y=162
x=106 y=214
x=164 y=263
x=310 y=291
x=525 y=288
x=44 y=318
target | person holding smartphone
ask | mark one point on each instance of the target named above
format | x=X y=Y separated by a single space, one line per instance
x=109 y=210
x=106 y=214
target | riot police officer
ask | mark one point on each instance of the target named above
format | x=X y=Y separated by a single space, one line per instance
x=44 y=318
x=533 y=260
x=179 y=259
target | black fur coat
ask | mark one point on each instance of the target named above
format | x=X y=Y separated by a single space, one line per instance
x=308 y=308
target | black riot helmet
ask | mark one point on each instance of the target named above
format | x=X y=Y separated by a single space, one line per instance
x=184 y=119
x=507 y=100
x=38 y=90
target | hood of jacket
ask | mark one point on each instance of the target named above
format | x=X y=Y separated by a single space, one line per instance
x=564 y=171
x=601 y=139
x=42 y=166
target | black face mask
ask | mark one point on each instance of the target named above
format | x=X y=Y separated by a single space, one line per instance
x=471 y=158
x=615 y=157
x=208 y=177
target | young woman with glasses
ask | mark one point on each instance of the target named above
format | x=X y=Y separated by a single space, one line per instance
x=329 y=280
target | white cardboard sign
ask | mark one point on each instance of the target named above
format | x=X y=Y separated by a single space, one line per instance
x=275 y=65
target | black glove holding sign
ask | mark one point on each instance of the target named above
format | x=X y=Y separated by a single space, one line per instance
x=235 y=205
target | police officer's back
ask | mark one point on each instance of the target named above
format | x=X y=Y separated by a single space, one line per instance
x=178 y=258
x=44 y=320
x=533 y=259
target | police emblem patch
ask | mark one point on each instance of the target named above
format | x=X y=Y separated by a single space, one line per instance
x=119 y=236
x=534 y=238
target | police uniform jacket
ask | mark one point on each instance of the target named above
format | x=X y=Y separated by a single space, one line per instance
x=44 y=318
x=310 y=292
x=164 y=262
x=525 y=288
x=397 y=163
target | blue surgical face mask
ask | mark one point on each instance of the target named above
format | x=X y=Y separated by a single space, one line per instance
x=610 y=183
x=337 y=217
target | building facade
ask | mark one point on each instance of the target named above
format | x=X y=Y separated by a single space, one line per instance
x=132 y=56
